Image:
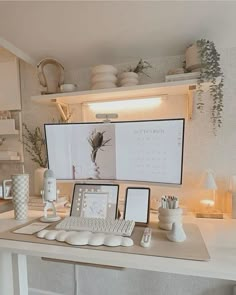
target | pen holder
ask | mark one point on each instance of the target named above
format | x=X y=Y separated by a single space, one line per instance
x=168 y=216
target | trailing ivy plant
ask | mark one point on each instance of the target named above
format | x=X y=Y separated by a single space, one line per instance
x=211 y=72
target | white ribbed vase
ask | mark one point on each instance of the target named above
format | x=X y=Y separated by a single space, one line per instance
x=103 y=76
x=128 y=79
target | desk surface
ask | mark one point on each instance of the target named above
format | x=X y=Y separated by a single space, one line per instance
x=219 y=236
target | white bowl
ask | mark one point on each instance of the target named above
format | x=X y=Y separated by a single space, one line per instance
x=104 y=69
x=67 y=87
x=106 y=77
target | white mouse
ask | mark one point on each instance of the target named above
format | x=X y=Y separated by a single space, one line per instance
x=112 y=241
x=127 y=242
x=78 y=239
x=62 y=235
x=96 y=239
x=51 y=235
x=41 y=234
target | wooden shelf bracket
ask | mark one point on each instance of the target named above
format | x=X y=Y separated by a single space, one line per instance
x=191 y=90
x=63 y=110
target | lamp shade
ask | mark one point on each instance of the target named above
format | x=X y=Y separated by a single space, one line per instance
x=232 y=184
x=209 y=181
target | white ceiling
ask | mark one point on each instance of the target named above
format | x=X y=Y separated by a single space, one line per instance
x=86 y=33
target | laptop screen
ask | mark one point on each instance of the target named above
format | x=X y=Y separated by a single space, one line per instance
x=95 y=200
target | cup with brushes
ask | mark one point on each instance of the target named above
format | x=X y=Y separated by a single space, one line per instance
x=170 y=218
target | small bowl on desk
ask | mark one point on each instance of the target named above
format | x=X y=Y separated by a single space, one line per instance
x=169 y=216
x=68 y=87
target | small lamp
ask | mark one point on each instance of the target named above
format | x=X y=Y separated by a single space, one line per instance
x=209 y=203
x=232 y=189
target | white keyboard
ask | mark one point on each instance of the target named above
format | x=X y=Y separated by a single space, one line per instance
x=118 y=227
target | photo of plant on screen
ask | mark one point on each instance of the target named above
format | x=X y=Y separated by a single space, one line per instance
x=97 y=141
x=92 y=151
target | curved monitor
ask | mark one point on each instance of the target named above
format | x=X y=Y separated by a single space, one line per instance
x=149 y=151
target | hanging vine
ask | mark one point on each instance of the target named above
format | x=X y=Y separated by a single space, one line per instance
x=211 y=72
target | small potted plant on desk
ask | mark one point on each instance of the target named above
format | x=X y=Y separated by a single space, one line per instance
x=131 y=77
x=34 y=144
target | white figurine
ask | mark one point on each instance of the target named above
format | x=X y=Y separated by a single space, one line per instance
x=177 y=233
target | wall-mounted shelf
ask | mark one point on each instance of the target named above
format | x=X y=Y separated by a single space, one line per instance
x=147 y=90
x=63 y=100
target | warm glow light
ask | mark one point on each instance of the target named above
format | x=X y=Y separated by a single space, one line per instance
x=207 y=203
x=125 y=104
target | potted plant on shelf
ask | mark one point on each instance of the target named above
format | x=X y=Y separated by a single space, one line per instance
x=131 y=77
x=202 y=56
x=35 y=145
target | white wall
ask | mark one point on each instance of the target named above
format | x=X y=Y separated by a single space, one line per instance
x=202 y=151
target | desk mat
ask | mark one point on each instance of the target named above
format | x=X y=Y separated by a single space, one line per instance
x=193 y=248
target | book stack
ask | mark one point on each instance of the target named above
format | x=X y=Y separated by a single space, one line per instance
x=36 y=203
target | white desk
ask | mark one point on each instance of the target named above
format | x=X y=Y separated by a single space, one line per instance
x=219 y=236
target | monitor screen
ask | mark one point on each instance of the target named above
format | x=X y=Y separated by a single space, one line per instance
x=150 y=151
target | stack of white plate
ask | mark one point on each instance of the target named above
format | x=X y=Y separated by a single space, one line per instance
x=103 y=76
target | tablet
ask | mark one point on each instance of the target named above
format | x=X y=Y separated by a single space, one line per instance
x=137 y=204
x=95 y=200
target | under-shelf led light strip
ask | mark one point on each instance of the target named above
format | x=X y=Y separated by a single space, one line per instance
x=140 y=103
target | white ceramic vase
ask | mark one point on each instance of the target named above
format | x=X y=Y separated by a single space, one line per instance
x=128 y=79
x=103 y=69
x=38 y=180
x=106 y=77
x=169 y=216
x=103 y=85
x=177 y=233
x=94 y=172
x=103 y=76
x=193 y=59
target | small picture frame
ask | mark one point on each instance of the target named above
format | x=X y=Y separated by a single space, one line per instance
x=137 y=204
